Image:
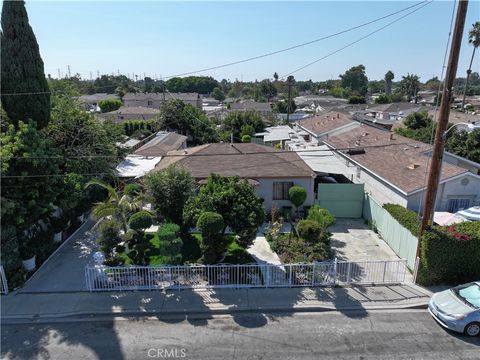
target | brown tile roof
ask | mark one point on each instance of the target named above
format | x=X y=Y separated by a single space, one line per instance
x=398 y=160
x=323 y=123
x=161 y=144
x=251 y=161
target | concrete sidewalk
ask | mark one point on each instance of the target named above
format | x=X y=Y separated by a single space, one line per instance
x=138 y=303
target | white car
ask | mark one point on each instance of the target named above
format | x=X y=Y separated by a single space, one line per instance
x=458 y=309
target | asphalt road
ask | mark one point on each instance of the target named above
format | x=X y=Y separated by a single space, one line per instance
x=406 y=334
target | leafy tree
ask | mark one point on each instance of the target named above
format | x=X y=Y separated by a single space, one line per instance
x=108 y=105
x=309 y=230
x=355 y=79
x=409 y=86
x=282 y=107
x=211 y=225
x=432 y=84
x=267 y=89
x=87 y=146
x=199 y=84
x=22 y=68
x=218 y=94
x=383 y=99
x=31 y=180
x=356 y=100
x=474 y=40
x=418 y=120
x=235 y=200
x=187 y=120
x=339 y=92
x=465 y=144
x=109 y=237
x=389 y=76
x=321 y=216
x=235 y=122
x=169 y=190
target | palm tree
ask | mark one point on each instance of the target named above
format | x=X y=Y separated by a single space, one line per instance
x=409 y=86
x=389 y=76
x=119 y=206
x=474 y=39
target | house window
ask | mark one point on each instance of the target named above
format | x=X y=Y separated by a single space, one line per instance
x=149 y=102
x=455 y=205
x=280 y=190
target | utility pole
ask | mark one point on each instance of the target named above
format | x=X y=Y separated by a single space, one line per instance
x=59 y=74
x=289 y=101
x=69 y=73
x=444 y=112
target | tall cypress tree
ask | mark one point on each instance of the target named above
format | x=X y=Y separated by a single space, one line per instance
x=22 y=68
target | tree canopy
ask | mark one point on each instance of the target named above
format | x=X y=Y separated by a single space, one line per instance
x=22 y=68
x=199 y=84
x=355 y=79
x=241 y=123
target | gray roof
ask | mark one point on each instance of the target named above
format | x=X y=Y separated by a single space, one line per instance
x=94 y=98
x=161 y=144
x=161 y=96
x=127 y=110
x=397 y=107
x=251 y=105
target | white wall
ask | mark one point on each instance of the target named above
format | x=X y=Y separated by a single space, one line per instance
x=265 y=191
x=453 y=189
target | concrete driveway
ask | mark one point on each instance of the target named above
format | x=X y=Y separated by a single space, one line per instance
x=64 y=271
x=352 y=240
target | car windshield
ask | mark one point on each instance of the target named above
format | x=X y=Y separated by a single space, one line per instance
x=469 y=294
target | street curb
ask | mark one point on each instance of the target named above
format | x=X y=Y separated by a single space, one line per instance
x=220 y=311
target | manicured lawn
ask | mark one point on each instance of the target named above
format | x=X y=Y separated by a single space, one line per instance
x=191 y=253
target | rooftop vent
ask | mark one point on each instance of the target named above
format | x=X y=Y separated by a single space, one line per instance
x=356 y=151
x=391 y=136
x=365 y=134
x=413 y=166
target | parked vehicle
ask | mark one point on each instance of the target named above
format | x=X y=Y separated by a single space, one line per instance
x=458 y=308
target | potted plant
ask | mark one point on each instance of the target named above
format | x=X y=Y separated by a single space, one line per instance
x=58 y=225
x=28 y=254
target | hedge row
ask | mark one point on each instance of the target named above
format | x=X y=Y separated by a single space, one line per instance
x=132 y=126
x=450 y=254
x=406 y=217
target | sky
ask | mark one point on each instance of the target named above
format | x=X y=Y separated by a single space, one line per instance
x=162 y=39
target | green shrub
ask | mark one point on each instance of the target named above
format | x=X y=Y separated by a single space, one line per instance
x=210 y=223
x=321 y=216
x=211 y=226
x=109 y=237
x=356 y=100
x=170 y=243
x=108 y=105
x=297 y=195
x=246 y=138
x=132 y=189
x=140 y=221
x=309 y=230
x=406 y=217
x=450 y=254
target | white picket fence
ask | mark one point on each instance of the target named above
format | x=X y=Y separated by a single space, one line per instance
x=328 y=273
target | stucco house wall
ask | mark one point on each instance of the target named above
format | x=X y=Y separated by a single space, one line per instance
x=265 y=190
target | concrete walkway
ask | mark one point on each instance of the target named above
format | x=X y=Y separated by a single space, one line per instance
x=65 y=269
x=261 y=251
x=361 y=298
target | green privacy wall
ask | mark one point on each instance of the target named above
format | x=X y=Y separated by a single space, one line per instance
x=400 y=240
x=342 y=200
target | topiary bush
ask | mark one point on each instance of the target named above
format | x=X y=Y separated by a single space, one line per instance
x=246 y=138
x=450 y=254
x=406 y=217
x=211 y=226
x=140 y=221
x=170 y=243
x=297 y=195
x=109 y=237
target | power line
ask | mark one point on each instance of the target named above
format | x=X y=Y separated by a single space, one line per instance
x=425 y=3
x=298 y=45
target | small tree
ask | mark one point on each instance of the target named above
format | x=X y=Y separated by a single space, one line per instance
x=211 y=226
x=418 y=120
x=297 y=196
x=309 y=230
x=356 y=100
x=169 y=189
x=108 y=105
x=109 y=237
x=321 y=216
x=218 y=94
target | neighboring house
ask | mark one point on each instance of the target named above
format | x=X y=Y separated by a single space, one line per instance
x=427 y=97
x=272 y=172
x=322 y=126
x=125 y=113
x=394 y=111
x=394 y=168
x=155 y=100
x=161 y=143
x=263 y=109
x=383 y=123
x=91 y=101
x=318 y=100
x=136 y=166
x=274 y=135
